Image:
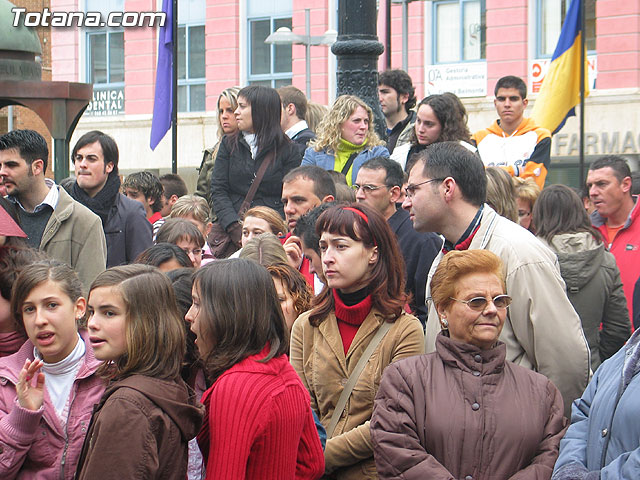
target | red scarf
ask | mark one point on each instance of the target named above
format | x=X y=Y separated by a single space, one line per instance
x=350 y=318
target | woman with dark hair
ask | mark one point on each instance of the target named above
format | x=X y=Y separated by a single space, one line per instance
x=464 y=411
x=439 y=118
x=259 y=139
x=165 y=256
x=589 y=270
x=192 y=373
x=258 y=422
x=357 y=324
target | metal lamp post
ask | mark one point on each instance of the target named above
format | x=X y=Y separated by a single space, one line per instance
x=284 y=36
x=358 y=49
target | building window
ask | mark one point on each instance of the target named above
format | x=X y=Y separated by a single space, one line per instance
x=105 y=48
x=551 y=14
x=191 y=56
x=269 y=65
x=191 y=68
x=105 y=58
x=458 y=31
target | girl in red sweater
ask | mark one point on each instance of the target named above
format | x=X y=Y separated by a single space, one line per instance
x=258 y=423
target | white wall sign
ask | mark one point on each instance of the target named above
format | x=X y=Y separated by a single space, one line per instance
x=106 y=102
x=468 y=79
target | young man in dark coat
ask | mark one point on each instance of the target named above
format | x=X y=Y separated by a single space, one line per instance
x=97 y=186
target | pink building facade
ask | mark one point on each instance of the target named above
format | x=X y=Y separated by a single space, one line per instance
x=462 y=46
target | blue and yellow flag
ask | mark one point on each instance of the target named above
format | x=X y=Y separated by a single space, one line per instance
x=560 y=91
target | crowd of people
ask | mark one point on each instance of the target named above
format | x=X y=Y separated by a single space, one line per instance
x=327 y=304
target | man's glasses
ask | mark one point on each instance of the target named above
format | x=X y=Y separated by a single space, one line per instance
x=368 y=188
x=480 y=303
x=410 y=189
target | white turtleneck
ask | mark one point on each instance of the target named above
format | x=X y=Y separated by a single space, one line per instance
x=252 y=141
x=59 y=376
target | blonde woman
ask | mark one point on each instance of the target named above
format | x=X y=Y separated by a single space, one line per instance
x=527 y=192
x=345 y=139
x=260 y=220
x=227 y=104
x=501 y=193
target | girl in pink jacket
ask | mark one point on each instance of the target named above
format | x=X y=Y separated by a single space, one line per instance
x=47 y=388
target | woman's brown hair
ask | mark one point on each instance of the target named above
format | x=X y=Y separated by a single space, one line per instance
x=154 y=330
x=174 y=230
x=387 y=277
x=295 y=283
x=239 y=314
x=559 y=210
x=269 y=215
x=264 y=249
x=33 y=275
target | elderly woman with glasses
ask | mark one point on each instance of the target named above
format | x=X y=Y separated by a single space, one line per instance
x=463 y=411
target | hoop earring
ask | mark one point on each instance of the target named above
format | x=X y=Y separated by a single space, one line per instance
x=444 y=324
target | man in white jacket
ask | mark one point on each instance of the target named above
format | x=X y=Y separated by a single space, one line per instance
x=446 y=194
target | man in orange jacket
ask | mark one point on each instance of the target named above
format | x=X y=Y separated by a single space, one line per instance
x=514 y=142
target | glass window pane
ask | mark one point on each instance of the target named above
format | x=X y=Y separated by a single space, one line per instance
x=196 y=52
x=182 y=98
x=260 y=51
x=472 y=31
x=447 y=32
x=196 y=98
x=182 y=70
x=98 y=54
x=116 y=57
x=551 y=16
x=282 y=53
x=264 y=83
x=282 y=82
x=590 y=14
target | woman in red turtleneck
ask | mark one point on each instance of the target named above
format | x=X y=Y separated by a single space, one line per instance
x=364 y=269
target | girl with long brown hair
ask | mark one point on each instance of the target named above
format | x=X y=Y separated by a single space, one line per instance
x=258 y=422
x=141 y=426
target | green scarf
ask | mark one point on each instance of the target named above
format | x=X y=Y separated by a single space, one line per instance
x=345 y=149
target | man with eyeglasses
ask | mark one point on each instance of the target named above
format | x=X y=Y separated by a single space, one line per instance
x=446 y=194
x=378 y=185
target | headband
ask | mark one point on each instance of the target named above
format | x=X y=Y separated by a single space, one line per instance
x=364 y=217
